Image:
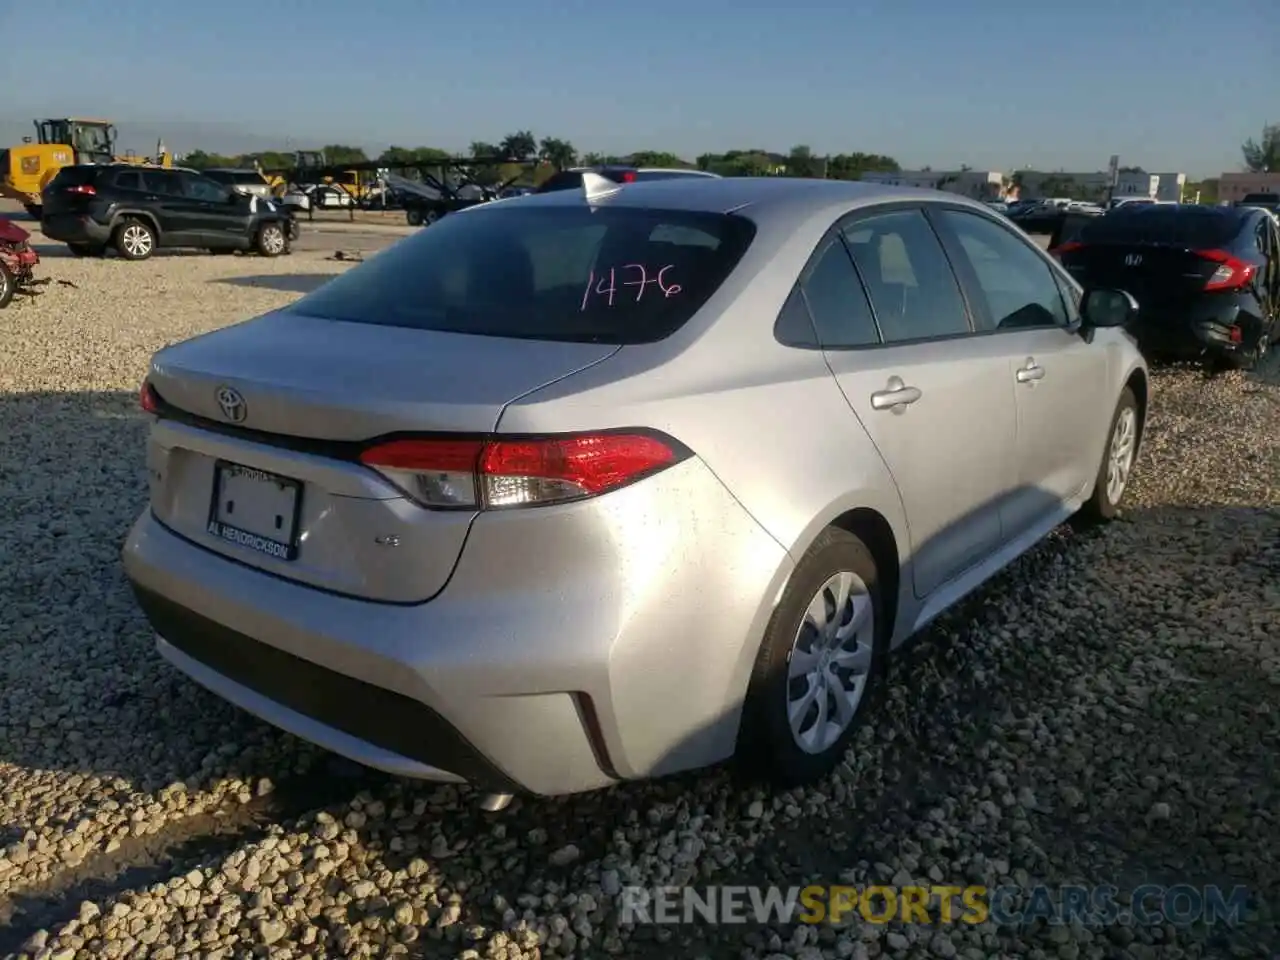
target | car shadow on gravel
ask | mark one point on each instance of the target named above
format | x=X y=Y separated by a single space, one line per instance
x=1169 y=775
x=284 y=282
x=59 y=251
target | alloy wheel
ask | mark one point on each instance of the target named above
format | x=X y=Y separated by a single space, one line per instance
x=136 y=241
x=1120 y=456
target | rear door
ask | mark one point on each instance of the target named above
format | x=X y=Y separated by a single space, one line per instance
x=935 y=399
x=1060 y=381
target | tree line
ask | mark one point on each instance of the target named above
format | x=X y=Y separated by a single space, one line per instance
x=528 y=158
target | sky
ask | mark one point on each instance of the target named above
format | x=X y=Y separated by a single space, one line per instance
x=994 y=84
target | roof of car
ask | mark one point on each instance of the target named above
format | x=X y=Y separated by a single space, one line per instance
x=728 y=194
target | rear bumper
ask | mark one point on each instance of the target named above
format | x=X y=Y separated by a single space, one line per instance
x=75 y=228
x=534 y=670
x=1188 y=337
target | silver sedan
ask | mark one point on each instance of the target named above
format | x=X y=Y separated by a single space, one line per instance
x=619 y=481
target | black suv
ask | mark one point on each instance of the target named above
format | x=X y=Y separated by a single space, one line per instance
x=136 y=210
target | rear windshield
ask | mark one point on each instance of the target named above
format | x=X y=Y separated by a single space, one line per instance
x=73 y=176
x=1198 y=227
x=621 y=275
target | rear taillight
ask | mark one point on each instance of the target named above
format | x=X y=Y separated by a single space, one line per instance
x=629 y=176
x=84 y=188
x=148 y=399
x=497 y=473
x=1069 y=247
x=1232 y=272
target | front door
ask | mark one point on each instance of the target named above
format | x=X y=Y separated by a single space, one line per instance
x=177 y=214
x=220 y=213
x=931 y=396
x=1060 y=381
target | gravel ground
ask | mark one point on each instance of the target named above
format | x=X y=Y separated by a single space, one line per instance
x=1106 y=712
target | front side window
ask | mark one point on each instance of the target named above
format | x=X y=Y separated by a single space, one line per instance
x=908 y=278
x=202 y=188
x=1016 y=286
x=162 y=183
x=574 y=273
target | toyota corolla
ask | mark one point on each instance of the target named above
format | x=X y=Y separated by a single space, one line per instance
x=603 y=484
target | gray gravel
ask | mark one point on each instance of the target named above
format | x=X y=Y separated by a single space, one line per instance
x=1107 y=712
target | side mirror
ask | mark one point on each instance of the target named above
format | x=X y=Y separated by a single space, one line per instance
x=1106 y=307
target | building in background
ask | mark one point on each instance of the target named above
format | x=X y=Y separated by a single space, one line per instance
x=1235 y=186
x=977 y=184
x=1171 y=187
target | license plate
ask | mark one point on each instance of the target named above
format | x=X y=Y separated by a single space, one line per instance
x=255 y=509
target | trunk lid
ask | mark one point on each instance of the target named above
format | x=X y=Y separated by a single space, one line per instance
x=1158 y=275
x=261 y=468
x=68 y=192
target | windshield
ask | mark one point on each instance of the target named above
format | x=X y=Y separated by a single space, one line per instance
x=1197 y=227
x=622 y=275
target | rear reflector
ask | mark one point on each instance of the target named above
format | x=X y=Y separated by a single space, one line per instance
x=496 y=473
x=1232 y=272
x=86 y=188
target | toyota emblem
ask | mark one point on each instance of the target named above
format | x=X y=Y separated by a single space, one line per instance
x=232 y=404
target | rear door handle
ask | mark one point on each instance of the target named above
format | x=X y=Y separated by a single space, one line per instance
x=896 y=396
x=1032 y=371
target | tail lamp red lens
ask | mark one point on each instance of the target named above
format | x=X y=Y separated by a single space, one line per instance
x=148 y=399
x=1069 y=247
x=84 y=188
x=628 y=176
x=497 y=473
x=1232 y=273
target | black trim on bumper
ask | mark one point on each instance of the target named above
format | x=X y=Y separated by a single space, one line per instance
x=378 y=716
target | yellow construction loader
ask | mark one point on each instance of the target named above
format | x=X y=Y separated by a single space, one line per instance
x=26 y=169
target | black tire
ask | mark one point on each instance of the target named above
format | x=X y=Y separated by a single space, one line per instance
x=271 y=240
x=34 y=210
x=1102 y=507
x=1253 y=357
x=134 y=239
x=766 y=745
x=414 y=216
x=8 y=286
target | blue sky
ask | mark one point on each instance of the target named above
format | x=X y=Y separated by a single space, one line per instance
x=995 y=84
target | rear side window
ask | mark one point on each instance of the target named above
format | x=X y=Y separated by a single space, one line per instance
x=1200 y=228
x=620 y=275
x=910 y=282
x=837 y=303
x=129 y=180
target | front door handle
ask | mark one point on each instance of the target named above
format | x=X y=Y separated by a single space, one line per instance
x=896 y=396
x=1032 y=371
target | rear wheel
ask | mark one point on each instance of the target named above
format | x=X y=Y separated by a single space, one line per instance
x=1117 y=462
x=134 y=240
x=7 y=286
x=271 y=240
x=818 y=665
x=414 y=216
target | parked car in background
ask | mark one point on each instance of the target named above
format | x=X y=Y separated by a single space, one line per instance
x=999 y=206
x=137 y=210
x=247 y=181
x=1206 y=279
x=481 y=510
x=571 y=179
x=1047 y=216
x=1265 y=201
